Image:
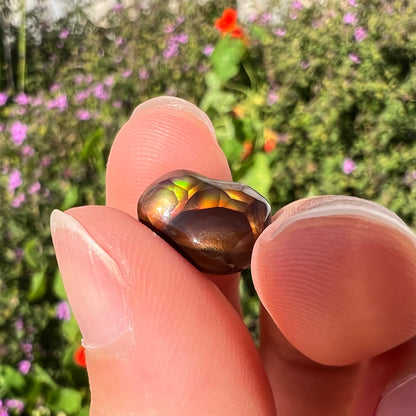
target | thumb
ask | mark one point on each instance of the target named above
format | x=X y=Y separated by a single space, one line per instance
x=160 y=338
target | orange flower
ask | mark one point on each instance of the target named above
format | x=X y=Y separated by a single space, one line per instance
x=270 y=140
x=79 y=356
x=247 y=148
x=227 y=22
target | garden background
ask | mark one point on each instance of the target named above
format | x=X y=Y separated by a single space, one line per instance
x=319 y=101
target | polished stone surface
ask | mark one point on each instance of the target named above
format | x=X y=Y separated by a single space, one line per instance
x=213 y=223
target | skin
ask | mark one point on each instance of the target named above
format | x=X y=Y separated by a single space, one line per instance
x=335 y=277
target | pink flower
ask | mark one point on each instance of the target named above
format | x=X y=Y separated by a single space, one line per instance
x=350 y=19
x=297 y=5
x=279 y=32
x=62 y=311
x=352 y=3
x=28 y=150
x=126 y=73
x=119 y=41
x=24 y=366
x=272 y=97
x=18 y=200
x=15 y=180
x=34 y=188
x=360 y=34
x=354 y=58
x=21 y=99
x=3 y=98
x=348 y=166
x=64 y=34
x=83 y=115
x=143 y=74
x=304 y=64
x=117 y=7
x=15 y=404
x=18 y=131
x=208 y=49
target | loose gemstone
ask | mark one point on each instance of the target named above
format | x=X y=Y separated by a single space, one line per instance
x=213 y=223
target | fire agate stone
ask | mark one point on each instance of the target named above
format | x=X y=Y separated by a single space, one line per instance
x=212 y=223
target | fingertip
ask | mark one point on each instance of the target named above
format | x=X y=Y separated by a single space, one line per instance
x=162 y=135
x=345 y=279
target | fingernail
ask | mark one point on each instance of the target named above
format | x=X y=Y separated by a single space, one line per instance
x=349 y=206
x=400 y=400
x=92 y=281
x=178 y=104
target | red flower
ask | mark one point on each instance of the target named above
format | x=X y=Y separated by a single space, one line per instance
x=227 y=22
x=237 y=33
x=79 y=356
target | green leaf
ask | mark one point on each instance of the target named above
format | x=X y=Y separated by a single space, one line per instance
x=258 y=176
x=65 y=399
x=71 y=197
x=58 y=286
x=92 y=143
x=38 y=286
x=42 y=377
x=11 y=378
x=226 y=58
x=32 y=253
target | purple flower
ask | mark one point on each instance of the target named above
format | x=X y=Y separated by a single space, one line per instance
x=26 y=347
x=182 y=38
x=3 y=411
x=143 y=74
x=34 y=188
x=3 y=98
x=360 y=34
x=171 y=50
x=349 y=19
x=21 y=99
x=279 y=31
x=28 y=150
x=355 y=58
x=83 y=115
x=19 y=253
x=208 y=49
x=82 y=95
x=265 y=17
x=19 y=325
x=60 y=102
x=15 y=179
x=24 y=366
x=180 y=20
x=352 y=3
x=18 y=200
x=62 y=311
x=348 y=166
x=100 y=92
x=18 y=131
x=119 y=41
x=15 y=404
x=64 y=34
x=117 y=104
x=297 y=5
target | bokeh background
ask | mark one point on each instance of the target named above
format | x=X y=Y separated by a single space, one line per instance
x=307 y=98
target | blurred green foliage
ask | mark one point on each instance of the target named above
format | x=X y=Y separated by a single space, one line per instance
x=322 y=102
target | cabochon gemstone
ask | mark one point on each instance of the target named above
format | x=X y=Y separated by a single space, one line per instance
x=213 y=223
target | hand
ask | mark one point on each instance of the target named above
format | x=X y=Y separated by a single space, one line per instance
x=335 y=275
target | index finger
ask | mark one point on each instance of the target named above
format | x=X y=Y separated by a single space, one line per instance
x=162 y=135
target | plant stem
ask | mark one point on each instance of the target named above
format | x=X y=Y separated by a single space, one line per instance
x=21 y=48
